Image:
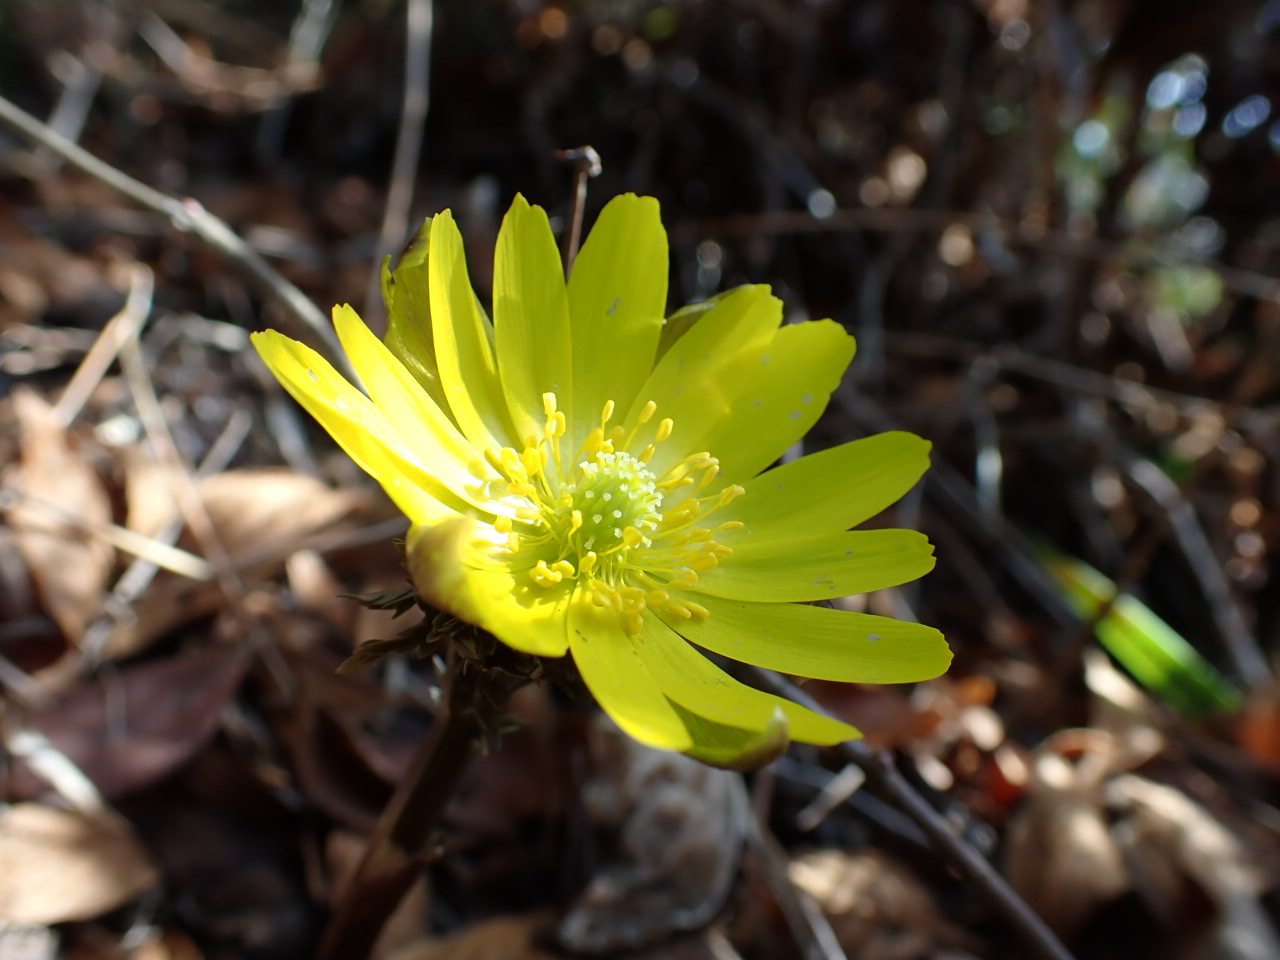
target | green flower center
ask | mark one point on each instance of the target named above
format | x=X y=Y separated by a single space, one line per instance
x=606 y=521
x=611 y=492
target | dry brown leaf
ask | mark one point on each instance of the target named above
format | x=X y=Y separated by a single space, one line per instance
x=61 y=866
x=1258 y=728
x=1061 y=856
x=506 y=938
x=69 y=567
x=260 y=516
x=878 y=909
x=1172 y=844
x=150 y=505
x=131 y=731
x=680 y=828
x=272 y=511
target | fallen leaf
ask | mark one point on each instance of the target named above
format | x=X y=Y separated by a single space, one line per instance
x=506 y=938
x=1178 y=852
x=878 y=909
x=69 y=566
x=273 y=511
x=680 y=827
x=141 y=725
x=1060 y=854
x=61 y=866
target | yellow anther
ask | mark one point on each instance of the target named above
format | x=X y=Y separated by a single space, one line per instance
x=708 y=476
x=575 y=521
x=656 y=598
x=635 y=623
x=527 y=513
x=560 y=425
x=608 y=412
x=564 y=568
x=646 y=453
x=549 y=404
x=664 y=430
x=632 y=537
x=702 y=562
x=511 y=461
x=502 y=524
x=522 y=488
x=494 y=456
x=647 y=412
x=732 y=525
x=587 y=563
x=544 y=576
x=531 y=460
x=679 y=609
x=697 y=609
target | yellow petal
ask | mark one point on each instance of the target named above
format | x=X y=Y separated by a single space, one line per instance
x=358 y=427
x=617 y=297
x=406 y=292
x=525 y=617
x=618 y=678
x=816 y=568
x=698 y=685
x=531 y=318
x=463 y=343
x=698 y=381
x=831 y=490
x=818 y=642
x=788 y=392
x=412 y=415
x=732 y=748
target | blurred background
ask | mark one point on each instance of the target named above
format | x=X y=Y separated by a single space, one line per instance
x=1054 y=229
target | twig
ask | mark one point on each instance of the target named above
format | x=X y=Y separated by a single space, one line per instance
x=809 y=925
x=883 y=776
x=402 y=841
x=1241 y=646
x=115 y=334
x=188 y=216
x=1076 y=379
x=586 y=164
x=139 y=574
x=163 y=555
x=413 y=116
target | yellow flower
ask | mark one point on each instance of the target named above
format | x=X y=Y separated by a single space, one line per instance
x=584 y=477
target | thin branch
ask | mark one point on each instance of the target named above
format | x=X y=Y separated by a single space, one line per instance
x=586 y=164
x=188 y=216
x=413 y=117
x=884 y=777
x=117 y=331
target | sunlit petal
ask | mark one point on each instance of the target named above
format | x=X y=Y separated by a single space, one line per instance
x=817 y=568
x=818 y=642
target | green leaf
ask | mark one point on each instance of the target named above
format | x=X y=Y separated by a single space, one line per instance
x=1155 y=654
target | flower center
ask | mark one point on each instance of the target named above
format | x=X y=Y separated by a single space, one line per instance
x=605 y=520
x=611 y=493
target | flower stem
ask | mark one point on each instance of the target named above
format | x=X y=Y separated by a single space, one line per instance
x=402 y=840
